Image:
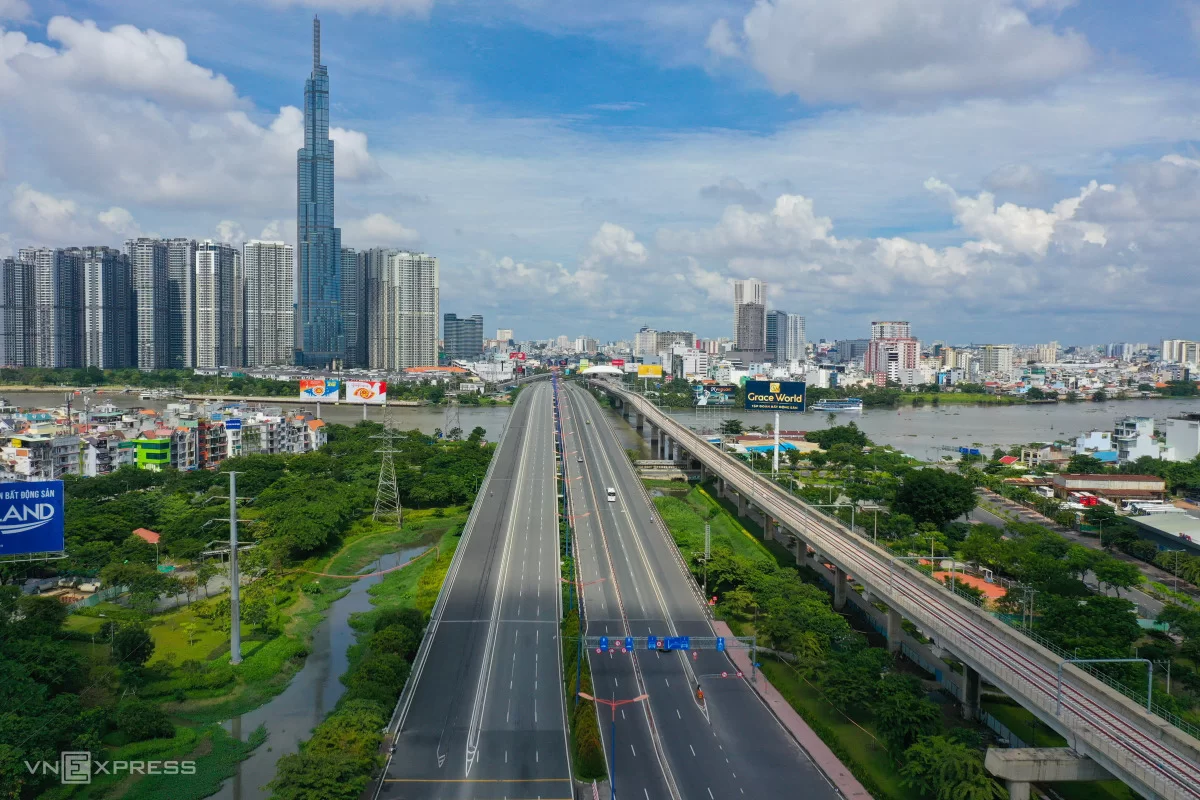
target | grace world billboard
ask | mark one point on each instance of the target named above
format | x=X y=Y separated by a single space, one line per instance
x=320 y=389
x=31 y=517
x=369 y=392
x=775 y=395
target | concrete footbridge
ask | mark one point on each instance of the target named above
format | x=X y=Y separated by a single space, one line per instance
x=1144 y=750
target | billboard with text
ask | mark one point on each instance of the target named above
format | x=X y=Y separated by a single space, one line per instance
x=31 y=517
x=618 y=362
x=775 y=395
x=719 y=395
x=369 y=392
x=320 y=389
x=516 y=355
x=649 y=370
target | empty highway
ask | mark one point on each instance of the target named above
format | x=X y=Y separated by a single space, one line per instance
x=482 y=716
x=730 y=746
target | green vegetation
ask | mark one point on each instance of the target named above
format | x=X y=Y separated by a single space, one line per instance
x=117 y=676
x=587 y=752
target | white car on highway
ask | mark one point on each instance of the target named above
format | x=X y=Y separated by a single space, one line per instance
x=612 y=495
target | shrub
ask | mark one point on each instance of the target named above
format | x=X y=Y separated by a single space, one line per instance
x=141 y=720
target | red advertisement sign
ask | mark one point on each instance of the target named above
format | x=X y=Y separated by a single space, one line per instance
x=618 y=362
x=517 y=356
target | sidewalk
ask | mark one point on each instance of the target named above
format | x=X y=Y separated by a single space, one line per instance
x=817 y=750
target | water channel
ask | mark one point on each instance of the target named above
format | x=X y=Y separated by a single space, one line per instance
x=313 y=692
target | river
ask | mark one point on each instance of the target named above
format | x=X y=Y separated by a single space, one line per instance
x=927 y=433
x=423 y=418
x=313 y=692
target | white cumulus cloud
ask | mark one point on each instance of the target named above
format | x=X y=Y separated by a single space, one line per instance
x=899 y=51
x=14 y=9
x=377 y=230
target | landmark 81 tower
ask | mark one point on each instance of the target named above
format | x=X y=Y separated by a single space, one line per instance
x=320 y=340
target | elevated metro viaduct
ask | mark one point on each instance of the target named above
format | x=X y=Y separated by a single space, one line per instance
x=1142 y=749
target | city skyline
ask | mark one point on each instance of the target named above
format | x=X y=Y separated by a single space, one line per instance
x=739 y=162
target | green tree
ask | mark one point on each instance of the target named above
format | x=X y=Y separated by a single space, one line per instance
x=140 y=719
x=934 y=495
x=132 y=646
x=1083 y=464
x=1117 y=574
x=902 y=714
x=731 y=427
x=938 y=767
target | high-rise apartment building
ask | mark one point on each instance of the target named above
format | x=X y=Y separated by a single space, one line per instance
x=109 y=338
x=795 y=339
x=892 y=352
x=645 y=342
x=404 y=293
x=269 y=303
x=851 y=350
x=777 y=344
x=354 y=310
x=319 y=243
x=218 y=297
x=665 y=340
x=586 y=345
x=1180 y=351
x=1046 y=353
x=151 y=293
x=57 y=333
x=462 y=338
x=750 y=314
x=504 y=334
x=181 y=303
x=16 y=313
x=996 y=359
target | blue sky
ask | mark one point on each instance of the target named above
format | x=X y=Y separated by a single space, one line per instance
x=588 y=168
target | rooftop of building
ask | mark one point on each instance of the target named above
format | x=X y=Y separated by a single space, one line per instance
x=1076 y=476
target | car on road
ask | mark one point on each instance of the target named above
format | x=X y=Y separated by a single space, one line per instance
x=580 y=459
x=612 y=495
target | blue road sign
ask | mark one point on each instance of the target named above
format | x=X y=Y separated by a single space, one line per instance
x=677 y=643
x=721 y=643
x=651 y=642
x=604 y=643
x=628 y=642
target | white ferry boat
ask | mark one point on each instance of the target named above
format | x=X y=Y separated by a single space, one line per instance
x=836 y=406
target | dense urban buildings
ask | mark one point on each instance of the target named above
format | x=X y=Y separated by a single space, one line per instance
x=1180 y=351
x=354 y=312
x=56 y=339
x=269 y=293
x=16 y=312
x=463 y=338
x=321 y=339
x=892 y=353
x=403 y=288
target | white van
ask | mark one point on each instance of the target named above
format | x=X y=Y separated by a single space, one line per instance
x=612 y=495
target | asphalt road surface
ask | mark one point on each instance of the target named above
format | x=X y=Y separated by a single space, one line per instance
x=730 y=745
x=483 y=717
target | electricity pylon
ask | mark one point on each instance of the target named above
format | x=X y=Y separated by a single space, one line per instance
x=387 y=493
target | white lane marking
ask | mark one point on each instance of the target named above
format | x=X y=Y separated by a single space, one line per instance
x=632 y=750
x=692 y=749
x=668 y=681
x=710 y=794
x=678 y=714
x=622 y=713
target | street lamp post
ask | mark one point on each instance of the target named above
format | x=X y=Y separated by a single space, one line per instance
x=612 y=704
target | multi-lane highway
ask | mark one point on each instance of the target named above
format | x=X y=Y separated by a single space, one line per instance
x=482 y=716
x=729 y=746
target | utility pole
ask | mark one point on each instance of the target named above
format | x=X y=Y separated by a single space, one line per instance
x=235 y=583
x=707 y=553
x=387 y=492
x=775 y=460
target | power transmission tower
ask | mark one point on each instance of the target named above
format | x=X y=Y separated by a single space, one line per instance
x=451 y=421
x=387 y=493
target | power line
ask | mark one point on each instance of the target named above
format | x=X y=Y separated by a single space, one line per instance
x=387 y=492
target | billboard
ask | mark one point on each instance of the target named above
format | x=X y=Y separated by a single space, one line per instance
x=718 y=395
x=320 y=389
x=31 y=517
x=233 y=424
x=369 y=392
x=618 y=362
x=516 y=355
x=775 y=395
x=649 y=370
x=584 y=363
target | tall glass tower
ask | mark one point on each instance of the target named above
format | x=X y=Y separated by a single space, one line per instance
x=319 y=244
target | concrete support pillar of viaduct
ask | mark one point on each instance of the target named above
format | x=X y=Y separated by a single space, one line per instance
x=654 y=434
x=839 y=588
x=970 y=701
x=769 y=526
x=741 y=503
x=1019 y=767
x=893 y=630
x=641 y=422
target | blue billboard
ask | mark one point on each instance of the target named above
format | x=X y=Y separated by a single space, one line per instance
x=31 y=517
x=234 y=424
x=775 y=395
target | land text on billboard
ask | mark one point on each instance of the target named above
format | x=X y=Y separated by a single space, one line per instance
x=775 y=395
x=31 y=517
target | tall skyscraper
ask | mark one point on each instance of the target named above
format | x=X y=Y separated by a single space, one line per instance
x=750 y=314
x=463 y=338
x=218 y=295
x=504 y=334
x=16 y=313
x=795 y=338
x=403 y=289
x=148 y=260
x=269 y=292
x=319 y=299
x=109 y=339
x=777 y=336
x=354 y=314
x=181 y=302
x=57 y=333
